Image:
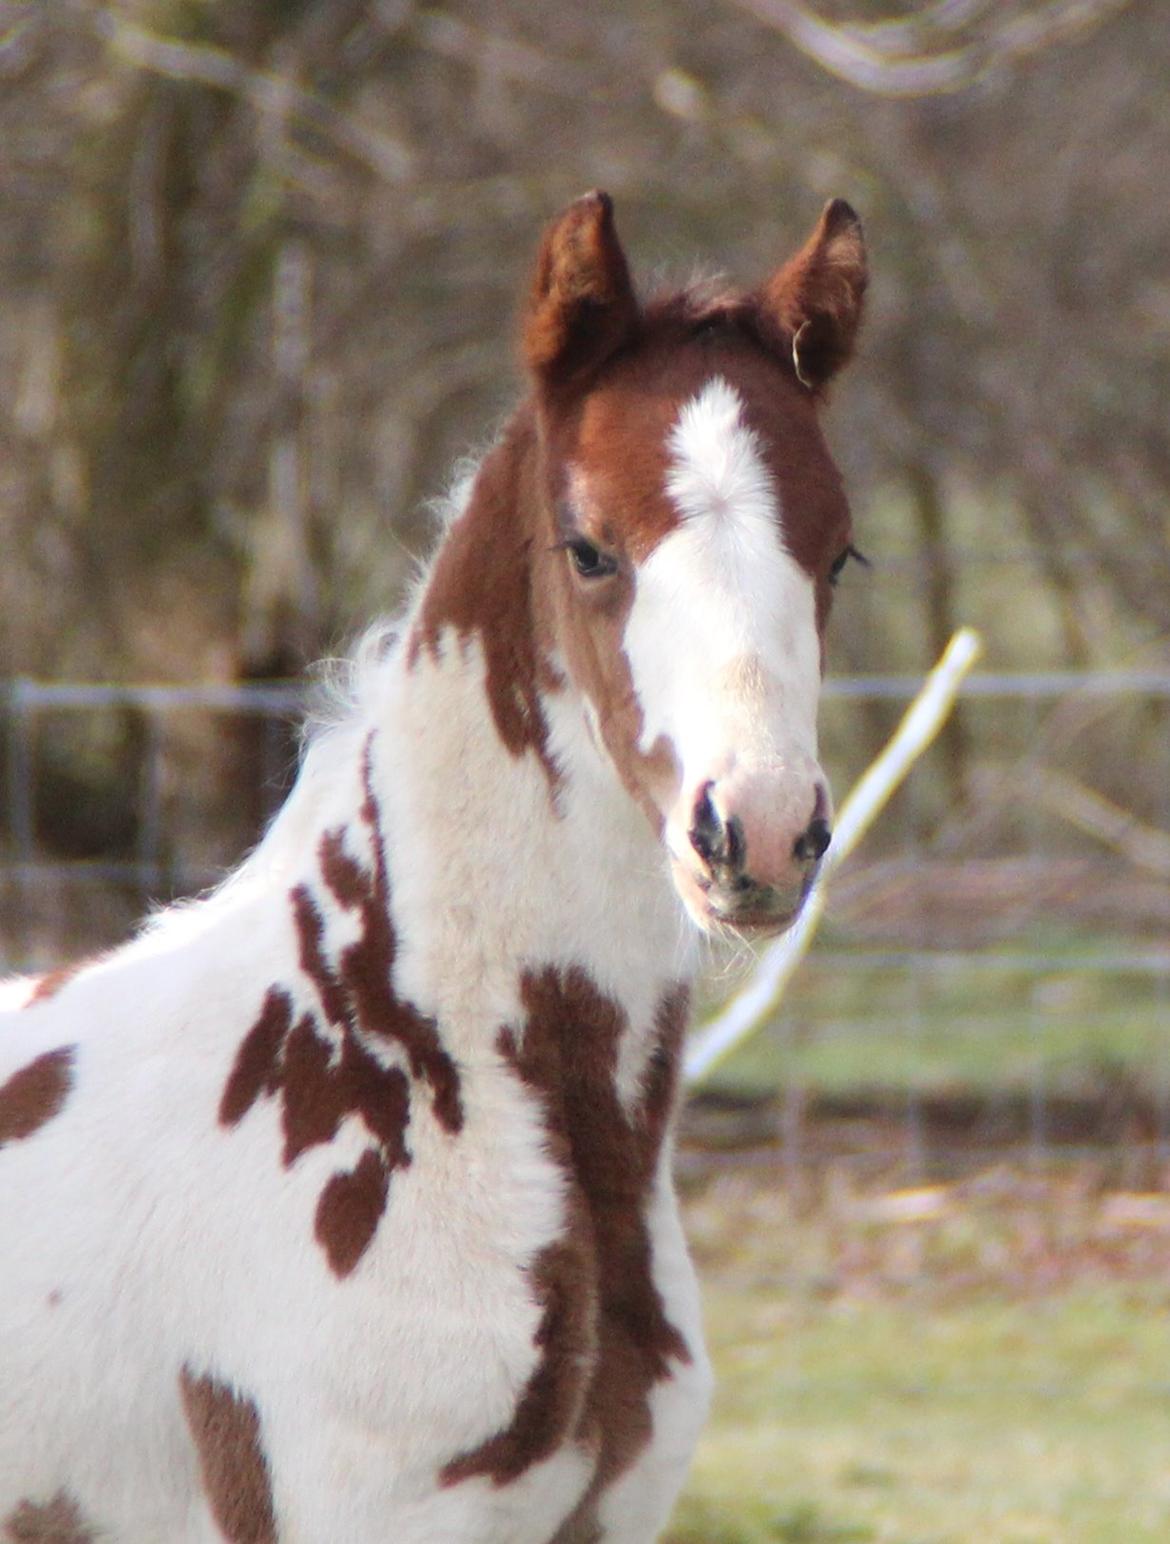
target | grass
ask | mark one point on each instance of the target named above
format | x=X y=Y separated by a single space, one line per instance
x=994 y=1371
x=902 y=1361
x=960 y=1026
x=979 y=1423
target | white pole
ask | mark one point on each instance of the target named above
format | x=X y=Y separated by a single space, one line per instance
x=923 y=719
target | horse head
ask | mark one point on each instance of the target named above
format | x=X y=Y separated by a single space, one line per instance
x=692 y=524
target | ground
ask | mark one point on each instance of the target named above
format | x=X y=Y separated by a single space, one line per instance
x=983 y=1362
x=936 y=1264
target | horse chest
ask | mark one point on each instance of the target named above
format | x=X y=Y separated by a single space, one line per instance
x=615 y=1381
x=445 y=1372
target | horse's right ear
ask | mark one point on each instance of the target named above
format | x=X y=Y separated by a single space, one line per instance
x=816 y=298
x=581 y=306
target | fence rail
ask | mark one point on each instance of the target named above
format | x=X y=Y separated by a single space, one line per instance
x=26 y=703
x=22 y=694
x=1060 y=1036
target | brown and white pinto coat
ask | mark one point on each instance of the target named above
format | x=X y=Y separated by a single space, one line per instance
x=338 y=1206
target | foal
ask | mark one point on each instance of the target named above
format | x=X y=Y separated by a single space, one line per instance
x=337 y=1207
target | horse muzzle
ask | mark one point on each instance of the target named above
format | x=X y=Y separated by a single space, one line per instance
x=754 y=844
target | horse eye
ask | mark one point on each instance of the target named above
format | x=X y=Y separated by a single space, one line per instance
x=588 y=560
x=842 y=558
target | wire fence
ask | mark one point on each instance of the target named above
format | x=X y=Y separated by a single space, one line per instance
x=989 y=981
x=273 y=710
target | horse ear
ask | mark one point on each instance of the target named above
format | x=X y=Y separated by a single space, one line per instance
x=817 y=296
x=581 y=305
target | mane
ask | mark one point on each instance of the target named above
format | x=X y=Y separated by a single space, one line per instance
x=446 y=507
x=346 y=689
x=704 y=289
x=344 y=700
x=710 y=306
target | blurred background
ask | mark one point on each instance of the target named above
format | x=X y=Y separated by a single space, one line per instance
x=259 y=266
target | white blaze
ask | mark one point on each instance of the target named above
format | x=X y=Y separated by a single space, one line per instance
x=722 y=638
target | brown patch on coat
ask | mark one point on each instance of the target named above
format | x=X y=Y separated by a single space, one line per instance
x=551 y=1401
x=236 y=1481
x=320 y=1079
x=36 y=1093
x=59 y=1521
x=567 y=1054
x=359 y=992
x=564 y=1280
x=52 y=982
x=257 y=1066
x=482 y=587
x=350 y=1209
x=637 y=1339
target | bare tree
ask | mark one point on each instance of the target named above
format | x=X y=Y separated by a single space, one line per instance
x=259 y=266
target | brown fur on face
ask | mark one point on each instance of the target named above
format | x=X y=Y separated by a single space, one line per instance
x=605 y=463
x=225 y=1428
x=615 y=438
x=613 y=426
x=589 y=456
x=610 y=380
x=34 y=1094
x=481 y=587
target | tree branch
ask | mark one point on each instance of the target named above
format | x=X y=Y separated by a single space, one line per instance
x=946 y=48
x=268 y=94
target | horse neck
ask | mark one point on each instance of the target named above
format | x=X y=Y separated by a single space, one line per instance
x=510 y=845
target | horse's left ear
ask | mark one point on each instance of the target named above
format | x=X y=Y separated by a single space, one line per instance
x=581 y=306
x=817 y=296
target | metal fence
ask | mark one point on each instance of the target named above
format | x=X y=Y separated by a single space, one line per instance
x=25 y=704
x=945 y=1016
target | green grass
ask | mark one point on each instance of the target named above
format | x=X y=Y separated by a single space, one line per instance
x=980 y=1423
x=980 y=1362
x=958 y=1027
x=863 y=1403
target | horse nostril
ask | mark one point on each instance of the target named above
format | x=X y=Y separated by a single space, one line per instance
x=706 y=831
x=813 y=843
x=720 y=843
x=735 y=847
